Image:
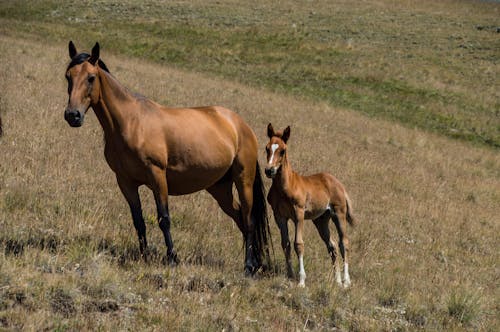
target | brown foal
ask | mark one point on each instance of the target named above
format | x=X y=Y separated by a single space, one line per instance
x=319 y=197
x=173 y=151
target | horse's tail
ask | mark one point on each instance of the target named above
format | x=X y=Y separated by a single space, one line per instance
x=350 y=217
x=261 y=221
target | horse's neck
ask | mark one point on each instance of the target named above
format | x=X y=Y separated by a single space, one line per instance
x=113 y=107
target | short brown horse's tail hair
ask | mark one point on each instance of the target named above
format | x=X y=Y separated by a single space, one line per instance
x=261 y=222
x=350 y=217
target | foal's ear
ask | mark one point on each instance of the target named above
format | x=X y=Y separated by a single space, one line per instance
x=270 y=130
x=72 y=50
x=286 y=134
x=95 y=54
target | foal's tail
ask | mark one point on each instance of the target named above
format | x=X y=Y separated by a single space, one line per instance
x=261 y=221
x=350 y=217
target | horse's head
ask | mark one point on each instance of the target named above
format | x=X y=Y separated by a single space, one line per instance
x=275 y=149
x=83 y=84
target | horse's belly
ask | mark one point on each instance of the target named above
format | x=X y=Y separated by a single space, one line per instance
x=193 y=179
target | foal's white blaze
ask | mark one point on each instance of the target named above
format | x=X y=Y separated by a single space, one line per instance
x=302 y=272
x=274 y=147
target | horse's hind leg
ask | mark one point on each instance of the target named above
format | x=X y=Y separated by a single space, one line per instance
x=222 y=192
x=321 y=224
x=243 y=179
x=340 y=220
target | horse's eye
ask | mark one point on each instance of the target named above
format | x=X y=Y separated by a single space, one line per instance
x=282 y=152
x=91 y=79
x=267 y=149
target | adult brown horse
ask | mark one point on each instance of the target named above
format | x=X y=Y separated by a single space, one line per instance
x=173 y=151
x=319 y=197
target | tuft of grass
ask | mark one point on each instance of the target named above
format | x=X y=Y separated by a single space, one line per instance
x=62 y=302
x=464 y=307
x=417 y=315
x=392 y=291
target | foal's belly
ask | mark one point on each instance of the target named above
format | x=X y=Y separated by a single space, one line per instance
x=314 y=214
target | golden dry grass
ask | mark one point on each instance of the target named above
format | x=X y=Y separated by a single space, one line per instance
x=425 y=253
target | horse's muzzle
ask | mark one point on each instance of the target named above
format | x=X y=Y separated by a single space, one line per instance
x=73 y=117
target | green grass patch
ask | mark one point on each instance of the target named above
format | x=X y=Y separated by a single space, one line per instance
x=308 y=53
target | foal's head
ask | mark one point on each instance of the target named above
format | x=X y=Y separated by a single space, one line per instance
x=83 y=83
x=275 y=149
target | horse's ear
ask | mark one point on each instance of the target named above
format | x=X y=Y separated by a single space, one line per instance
x=95 y=54
x=270 y=130
x=72 y=50
x=286 y=134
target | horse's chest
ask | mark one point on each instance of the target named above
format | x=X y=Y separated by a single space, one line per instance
x=124 y=163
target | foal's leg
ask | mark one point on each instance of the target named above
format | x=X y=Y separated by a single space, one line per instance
x=340 y=220
x=285 y=242
x=299 y=244
x=324 y=231
x=160 y=191
x=130 y=191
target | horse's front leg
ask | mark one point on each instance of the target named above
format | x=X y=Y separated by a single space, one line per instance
x=160 y=191
x=130 y=191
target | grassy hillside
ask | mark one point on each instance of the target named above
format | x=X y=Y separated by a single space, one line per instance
x=427 y=64
x=425 y=254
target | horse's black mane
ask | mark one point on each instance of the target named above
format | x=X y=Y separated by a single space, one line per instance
x=81 y=58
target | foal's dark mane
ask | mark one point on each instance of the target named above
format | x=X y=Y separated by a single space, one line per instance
x=81 y=58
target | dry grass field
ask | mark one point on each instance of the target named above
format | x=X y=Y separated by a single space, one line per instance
x=425 y=254
x=375 y=93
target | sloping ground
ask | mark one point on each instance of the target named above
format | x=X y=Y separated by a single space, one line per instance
x=427 y=64
x=425 y=253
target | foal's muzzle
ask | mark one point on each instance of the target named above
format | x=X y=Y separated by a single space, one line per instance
x=73 y=117
x=270 y=172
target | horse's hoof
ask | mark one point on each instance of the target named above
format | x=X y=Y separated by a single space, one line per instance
x=250 y=271
x=301 y=285
x=171 y=259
